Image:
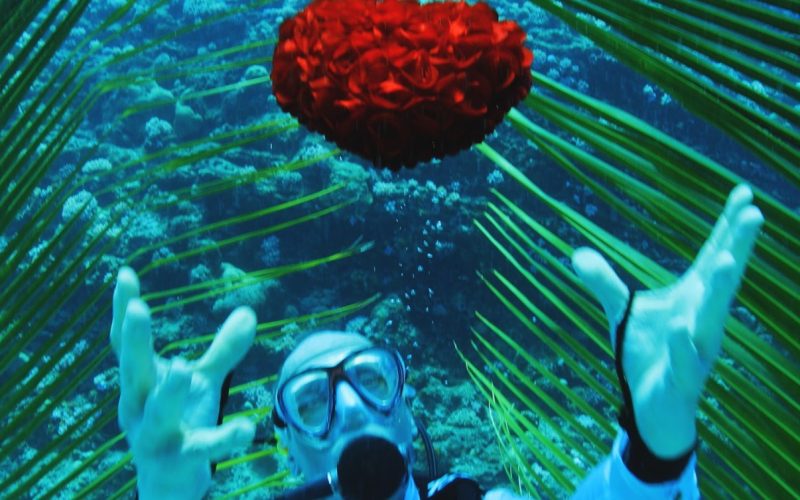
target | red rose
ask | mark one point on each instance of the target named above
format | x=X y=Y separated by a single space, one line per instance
x=397 y=82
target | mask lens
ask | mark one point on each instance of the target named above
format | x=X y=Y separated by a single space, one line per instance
x=377 y=374
x=305 y=401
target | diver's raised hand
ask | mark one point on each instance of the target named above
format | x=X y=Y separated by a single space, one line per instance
x=674 y=334
x=169 y=408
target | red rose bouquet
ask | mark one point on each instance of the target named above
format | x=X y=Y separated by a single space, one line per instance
x=397 y=82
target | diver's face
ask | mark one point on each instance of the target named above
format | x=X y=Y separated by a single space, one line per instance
x=362 y=404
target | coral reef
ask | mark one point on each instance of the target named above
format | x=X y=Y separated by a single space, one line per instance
x=255 y=295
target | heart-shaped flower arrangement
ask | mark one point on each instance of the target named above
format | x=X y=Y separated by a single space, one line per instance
x=398 y=82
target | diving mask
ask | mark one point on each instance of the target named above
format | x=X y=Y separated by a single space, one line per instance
x=306 y=400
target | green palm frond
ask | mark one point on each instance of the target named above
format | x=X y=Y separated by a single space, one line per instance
x=542 y=359
x=64 y=229
x=687 y=47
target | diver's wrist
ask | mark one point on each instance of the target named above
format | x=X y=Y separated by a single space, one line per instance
x=658 y=465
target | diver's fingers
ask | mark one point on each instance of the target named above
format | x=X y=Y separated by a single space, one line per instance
x=723 y=277
x=598 y=276
x=230 y=344
x=137 y=360
x=165 y=406
x=746 y=227
x=714 y=304
x=126 y=289
x=720 y=238
x=216 y=443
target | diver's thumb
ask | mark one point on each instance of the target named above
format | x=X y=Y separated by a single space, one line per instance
x=598 y=276
x=217 y=443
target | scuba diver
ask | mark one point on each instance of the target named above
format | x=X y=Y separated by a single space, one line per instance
x=340 y=406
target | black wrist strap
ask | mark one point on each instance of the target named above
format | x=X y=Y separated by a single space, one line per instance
x=637 y=457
